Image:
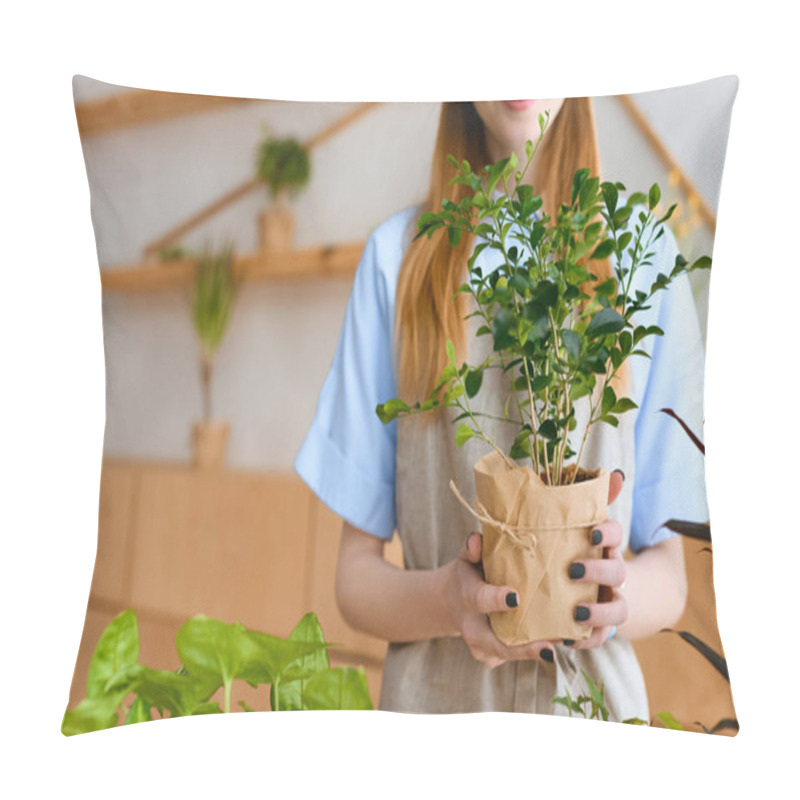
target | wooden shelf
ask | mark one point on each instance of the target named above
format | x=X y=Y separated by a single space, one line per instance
x=293 y=265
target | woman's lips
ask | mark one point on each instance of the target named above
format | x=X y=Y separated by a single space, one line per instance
x=518 y=105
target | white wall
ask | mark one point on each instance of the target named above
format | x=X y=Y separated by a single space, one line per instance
x=278 y=348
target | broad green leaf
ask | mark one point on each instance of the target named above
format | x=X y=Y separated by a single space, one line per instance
x=206 y=708
x=211 y=648
x=451 y=352
x=623 y=404
x=343 y=688
x=177 y=693
x=92 y=714
x=635 y=721
x=292 y=691
x=117 y=648
x=541 y=382
x=273 y=658
x=577 y=181
x=610 y=195
x=548 y=429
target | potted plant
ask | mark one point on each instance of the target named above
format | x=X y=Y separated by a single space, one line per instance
x=283 y=165
x=561 y=336
x=214 y=295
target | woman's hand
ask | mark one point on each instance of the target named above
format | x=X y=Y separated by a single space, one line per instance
x=611 y=608
x=470 y=599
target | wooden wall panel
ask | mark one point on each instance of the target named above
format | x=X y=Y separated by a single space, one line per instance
x=679 y=679
x=115 y=523
x=229 y=545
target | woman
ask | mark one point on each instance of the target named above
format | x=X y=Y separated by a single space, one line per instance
x=443 y=655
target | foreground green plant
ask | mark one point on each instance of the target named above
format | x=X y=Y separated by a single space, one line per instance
x=561 y=331
x=591 y=704
x=120 y=690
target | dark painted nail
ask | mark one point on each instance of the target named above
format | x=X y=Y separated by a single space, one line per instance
x=512 y=601
x=577 y=571
x=597 y=536
x=568 y=642
x=621 y=473
x=581 y=613
x=547 y=655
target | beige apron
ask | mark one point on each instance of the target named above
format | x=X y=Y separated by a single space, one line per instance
x=440 y=675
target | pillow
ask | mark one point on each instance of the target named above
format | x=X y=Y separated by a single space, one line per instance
x=250 y=258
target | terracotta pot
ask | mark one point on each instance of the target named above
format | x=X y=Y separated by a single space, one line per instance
x=210 y=440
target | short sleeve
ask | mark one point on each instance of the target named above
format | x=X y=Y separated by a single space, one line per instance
x=348 y=455
x=670 y=470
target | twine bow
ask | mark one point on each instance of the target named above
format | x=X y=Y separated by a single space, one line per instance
x=524 y=536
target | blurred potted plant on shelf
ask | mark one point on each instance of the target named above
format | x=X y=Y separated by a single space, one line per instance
x=284 y=166
x=214 y=295
x=561 y=334
x=214 y=654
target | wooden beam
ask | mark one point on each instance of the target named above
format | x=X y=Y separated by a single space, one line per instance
x=140 y=106
x=243 y=189
x=695 y=199
x=293 y=265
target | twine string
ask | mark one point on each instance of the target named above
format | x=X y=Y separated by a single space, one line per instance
x=524 y=536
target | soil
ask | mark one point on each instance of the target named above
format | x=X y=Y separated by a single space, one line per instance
x=568 y=471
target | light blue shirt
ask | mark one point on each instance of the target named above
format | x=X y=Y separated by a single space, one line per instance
x=348 y=455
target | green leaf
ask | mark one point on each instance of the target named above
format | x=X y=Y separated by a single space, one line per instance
x=541 y=382
x=463 y=434
x=472 y=383
x=704 y=262
x=92 y=714
x=635 y=721
x=603 y=250
x=177 y=693
x=451 y=352
x=572 y=343
x=669 y=721
x=577 y=181
x=654 y=196
x=214 y=649
x=117 y=648
x=622 y=405
x=273 y=659
x=391 y=409
x=343 y=688
x=610 y=195
x=605 y=321
x=548 y=430
x=292 y=691
x=138 y=712
x=609 y=400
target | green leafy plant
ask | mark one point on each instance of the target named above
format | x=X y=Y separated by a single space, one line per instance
x=591 y=704
x=214 y=654
x=559 y=330
x=283 y=164
x=214 y=295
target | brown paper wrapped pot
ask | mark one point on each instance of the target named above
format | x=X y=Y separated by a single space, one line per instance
x=561 y=518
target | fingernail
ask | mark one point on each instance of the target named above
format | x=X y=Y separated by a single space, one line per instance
x=512 y=601
x=568 y=642
x=577 y=571
x=597 y=536
x=546 y=655
x=621 y=473
x=581 y=613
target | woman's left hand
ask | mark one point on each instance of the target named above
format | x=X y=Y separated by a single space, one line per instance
x=611 y=608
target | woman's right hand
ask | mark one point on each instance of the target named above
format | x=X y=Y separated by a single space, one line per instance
x=470 y=599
